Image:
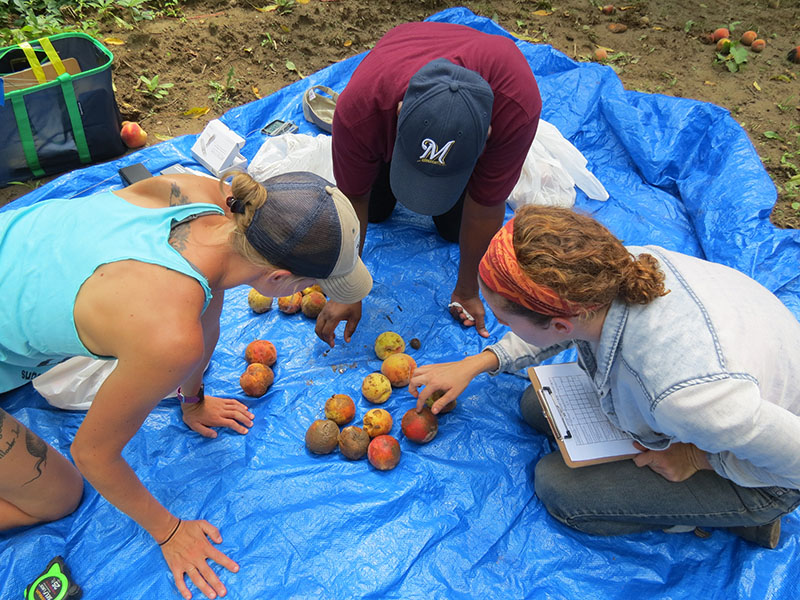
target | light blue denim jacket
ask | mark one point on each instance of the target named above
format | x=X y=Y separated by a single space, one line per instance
x=715 y=363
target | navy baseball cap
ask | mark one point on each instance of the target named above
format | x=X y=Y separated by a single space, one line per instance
x=441 y=131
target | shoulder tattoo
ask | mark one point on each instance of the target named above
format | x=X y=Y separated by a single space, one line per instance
x=179 y=235
x=176 y=197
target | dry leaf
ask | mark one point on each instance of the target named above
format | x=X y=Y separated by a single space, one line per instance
x=657 y=28
x=617 y=27
x=755 y=85
x=302 y=1
x=542 y=13
x=291 y=66
x=347 y=43
x=112 y=41
x=527 y=38
x=196 y=112
x=163 y=138
x=256 y=93
x=285 y=28
x=267 y=9
x=706 y=82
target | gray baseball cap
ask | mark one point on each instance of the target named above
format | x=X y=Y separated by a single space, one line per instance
x=309 y=227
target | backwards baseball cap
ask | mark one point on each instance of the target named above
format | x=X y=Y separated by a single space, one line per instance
x=441 y=131
x=309 y=227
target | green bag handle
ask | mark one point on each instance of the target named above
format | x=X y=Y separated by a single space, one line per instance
x=26 y=135
x=73 y=112
x=68 y=89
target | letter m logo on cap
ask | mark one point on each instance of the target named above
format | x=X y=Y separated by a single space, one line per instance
x=431 y=152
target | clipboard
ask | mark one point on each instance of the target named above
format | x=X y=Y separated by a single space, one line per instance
x=586 y=436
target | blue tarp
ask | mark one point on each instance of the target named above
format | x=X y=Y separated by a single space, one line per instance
x=458 y=517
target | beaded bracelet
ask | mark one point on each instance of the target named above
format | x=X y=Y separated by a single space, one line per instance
x=171 y=535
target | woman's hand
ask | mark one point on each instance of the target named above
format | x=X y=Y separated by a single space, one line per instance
x=187 y=552
x=217 y=412
x=676 y=463
x=451 y=378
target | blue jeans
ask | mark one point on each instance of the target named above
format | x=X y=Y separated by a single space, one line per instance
x=620 y=498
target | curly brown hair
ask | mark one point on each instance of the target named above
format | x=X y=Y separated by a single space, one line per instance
x=581 y=260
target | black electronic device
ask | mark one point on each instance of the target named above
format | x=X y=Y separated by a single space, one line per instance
x=133 y=173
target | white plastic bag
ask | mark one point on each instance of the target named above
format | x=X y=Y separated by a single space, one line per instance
x=551 y=171
x=73 y=384
x=293 y=152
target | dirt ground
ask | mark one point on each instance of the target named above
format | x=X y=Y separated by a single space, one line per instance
x=221 y=54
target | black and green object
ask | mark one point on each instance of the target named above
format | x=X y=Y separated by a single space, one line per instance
x=61 y=123
x=54 y=583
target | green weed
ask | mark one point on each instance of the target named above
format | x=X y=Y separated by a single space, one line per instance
x=224 y=94
x=154 y=88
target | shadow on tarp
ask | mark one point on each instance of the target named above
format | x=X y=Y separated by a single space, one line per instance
x=458 y=517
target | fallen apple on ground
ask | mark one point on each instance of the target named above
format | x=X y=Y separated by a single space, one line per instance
x=388 y=343
x=256 y=379
x=353 y=442
x=261 y=351
x=312 y=304
x=434 y=397
x=133 y=136
x=384 y=452
x=290 y=304
x=340 y=409
x=376 y=388
x=398 y=368
x=377 y=422
x=322 y=436
x=258 y=302
x=420 y=427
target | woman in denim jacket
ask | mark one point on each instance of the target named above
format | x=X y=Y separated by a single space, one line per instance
x=698 y=362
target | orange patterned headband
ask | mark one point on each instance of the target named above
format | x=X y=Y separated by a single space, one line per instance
x=500 y=271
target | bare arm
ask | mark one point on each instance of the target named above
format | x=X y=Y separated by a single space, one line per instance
x=478 y=225
x=212 y=411
x=124 y=400
x=156 y=350
x=451 y=378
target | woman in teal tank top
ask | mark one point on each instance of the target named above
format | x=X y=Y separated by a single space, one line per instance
x=139 y=275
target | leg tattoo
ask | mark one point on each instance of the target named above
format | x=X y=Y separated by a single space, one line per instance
x=38 y=449
x=8 y=440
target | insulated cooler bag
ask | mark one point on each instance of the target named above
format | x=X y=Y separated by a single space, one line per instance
x=68 y=117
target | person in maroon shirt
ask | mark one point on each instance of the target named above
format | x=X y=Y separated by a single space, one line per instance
x=439 y=117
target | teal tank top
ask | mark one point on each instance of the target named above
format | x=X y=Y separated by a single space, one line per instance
x=47 y=251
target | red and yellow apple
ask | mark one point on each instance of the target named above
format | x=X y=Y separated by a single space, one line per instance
x=133 y=136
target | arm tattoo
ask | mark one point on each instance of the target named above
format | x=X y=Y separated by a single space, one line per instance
x=176 y=197
x=38 y=449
